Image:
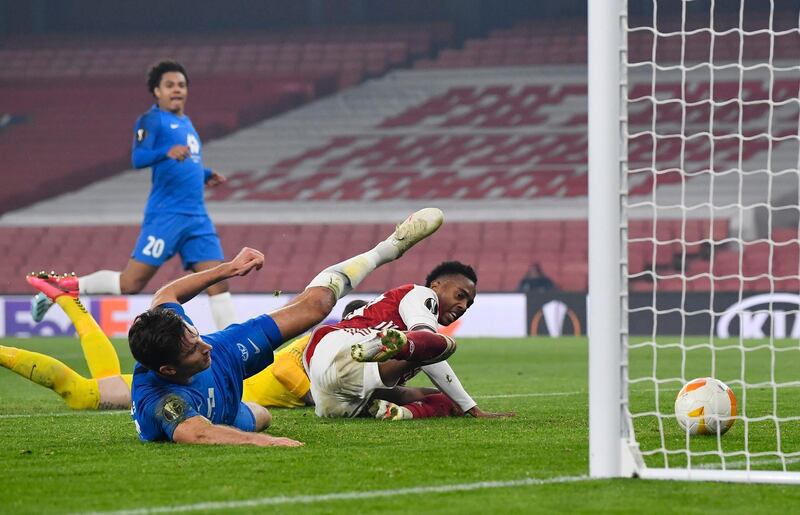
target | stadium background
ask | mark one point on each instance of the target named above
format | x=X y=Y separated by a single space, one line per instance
x=331 y=120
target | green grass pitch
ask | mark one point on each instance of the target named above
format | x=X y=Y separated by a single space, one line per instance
x=53 y=460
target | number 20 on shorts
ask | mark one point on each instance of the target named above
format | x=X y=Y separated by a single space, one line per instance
x=154 y=247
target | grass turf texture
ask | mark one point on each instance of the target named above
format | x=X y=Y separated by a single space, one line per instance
x=93 y=461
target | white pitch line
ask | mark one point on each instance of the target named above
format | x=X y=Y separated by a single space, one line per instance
x=124 y=412
x=343 y=496
x=542 y=394
x=66 y=414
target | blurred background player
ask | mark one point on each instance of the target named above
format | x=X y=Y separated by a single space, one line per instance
x=361 y=364
x=175 y=218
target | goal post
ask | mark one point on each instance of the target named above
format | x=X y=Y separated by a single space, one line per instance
x=694 y=235
x=606 y=289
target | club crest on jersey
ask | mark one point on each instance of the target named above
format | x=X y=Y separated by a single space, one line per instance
x=141 y=134
x=193 y=144
x=173 y=409
x=432 y=306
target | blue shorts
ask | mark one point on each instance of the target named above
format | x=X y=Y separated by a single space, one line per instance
x=245 y=420
x=164 y=235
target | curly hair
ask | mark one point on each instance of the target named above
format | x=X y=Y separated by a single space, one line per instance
x=451 y=268
x=159 y=69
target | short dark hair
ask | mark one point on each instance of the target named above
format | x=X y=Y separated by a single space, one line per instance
x=159 y=69
x=352 y=306
x=155 y=338
x=451 y=268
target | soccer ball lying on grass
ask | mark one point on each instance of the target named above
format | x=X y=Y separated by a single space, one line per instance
x=705 y=406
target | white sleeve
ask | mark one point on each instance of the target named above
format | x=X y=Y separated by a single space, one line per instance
x=420 y=308
x=442 y=375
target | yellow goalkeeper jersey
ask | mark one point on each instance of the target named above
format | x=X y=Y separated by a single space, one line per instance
x=284 y=383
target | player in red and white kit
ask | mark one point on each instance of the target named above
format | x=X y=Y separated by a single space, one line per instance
x=360 y=364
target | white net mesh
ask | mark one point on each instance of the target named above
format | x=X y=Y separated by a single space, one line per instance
x=713 y=256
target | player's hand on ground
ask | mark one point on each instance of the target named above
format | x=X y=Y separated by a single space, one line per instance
x=279 y=441
x=215 y=179
x=246 y=260
x=479 y=413
x=179 y=152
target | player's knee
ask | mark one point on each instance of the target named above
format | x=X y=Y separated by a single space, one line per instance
x=318 y=304
x=262 y=416
x=131 y=284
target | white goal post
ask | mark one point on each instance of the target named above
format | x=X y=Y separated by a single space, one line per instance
x=694 y=218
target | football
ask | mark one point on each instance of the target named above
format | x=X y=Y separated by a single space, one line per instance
x=705 y=406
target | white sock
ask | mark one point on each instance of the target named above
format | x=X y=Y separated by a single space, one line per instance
x=102 y=281
x=342 y=277
x=222 y=310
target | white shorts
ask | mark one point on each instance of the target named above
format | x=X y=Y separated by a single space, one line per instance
x=340 y=385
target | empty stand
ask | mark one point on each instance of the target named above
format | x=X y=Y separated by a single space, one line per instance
x=564 y=43
x=78 y=96
x=79 y=131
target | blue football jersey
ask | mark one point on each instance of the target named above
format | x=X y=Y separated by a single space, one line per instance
x=158 y=406
x=177 y=186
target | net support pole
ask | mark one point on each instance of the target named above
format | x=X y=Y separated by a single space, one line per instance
x=605 y=144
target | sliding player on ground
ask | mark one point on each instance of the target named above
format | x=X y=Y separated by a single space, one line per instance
x=360 y=365
x=283 y=384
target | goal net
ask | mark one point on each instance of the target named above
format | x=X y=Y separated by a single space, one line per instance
x=694 y=170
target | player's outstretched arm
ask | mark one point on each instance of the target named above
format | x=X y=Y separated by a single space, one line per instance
x=198 y=430
x=186 y=288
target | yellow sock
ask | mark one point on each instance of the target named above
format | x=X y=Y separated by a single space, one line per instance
x=97 y=348
x=77 y=391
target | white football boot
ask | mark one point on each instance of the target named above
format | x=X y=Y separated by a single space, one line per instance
x=385 y=410
x=416 y=228
x=385 y=345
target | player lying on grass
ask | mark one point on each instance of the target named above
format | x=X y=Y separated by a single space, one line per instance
x=283 y=384
x=180 y=394
x=360 y=365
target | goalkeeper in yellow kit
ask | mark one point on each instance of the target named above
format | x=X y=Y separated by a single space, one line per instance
x=283 y=384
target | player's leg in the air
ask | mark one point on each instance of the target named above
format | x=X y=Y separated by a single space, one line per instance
x=107 y=388
x=313 y=305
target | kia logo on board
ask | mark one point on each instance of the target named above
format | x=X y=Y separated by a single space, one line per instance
x=760 y=313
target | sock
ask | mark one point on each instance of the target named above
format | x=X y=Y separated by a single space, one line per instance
x=426 y=347
x=77 y=391
x=97 y=348
x=343 y=277
x=434 y=405
x=102 y=281
x=222 y=309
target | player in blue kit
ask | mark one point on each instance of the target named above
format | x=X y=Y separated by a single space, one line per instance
x=175 y=218
x=187 y=388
